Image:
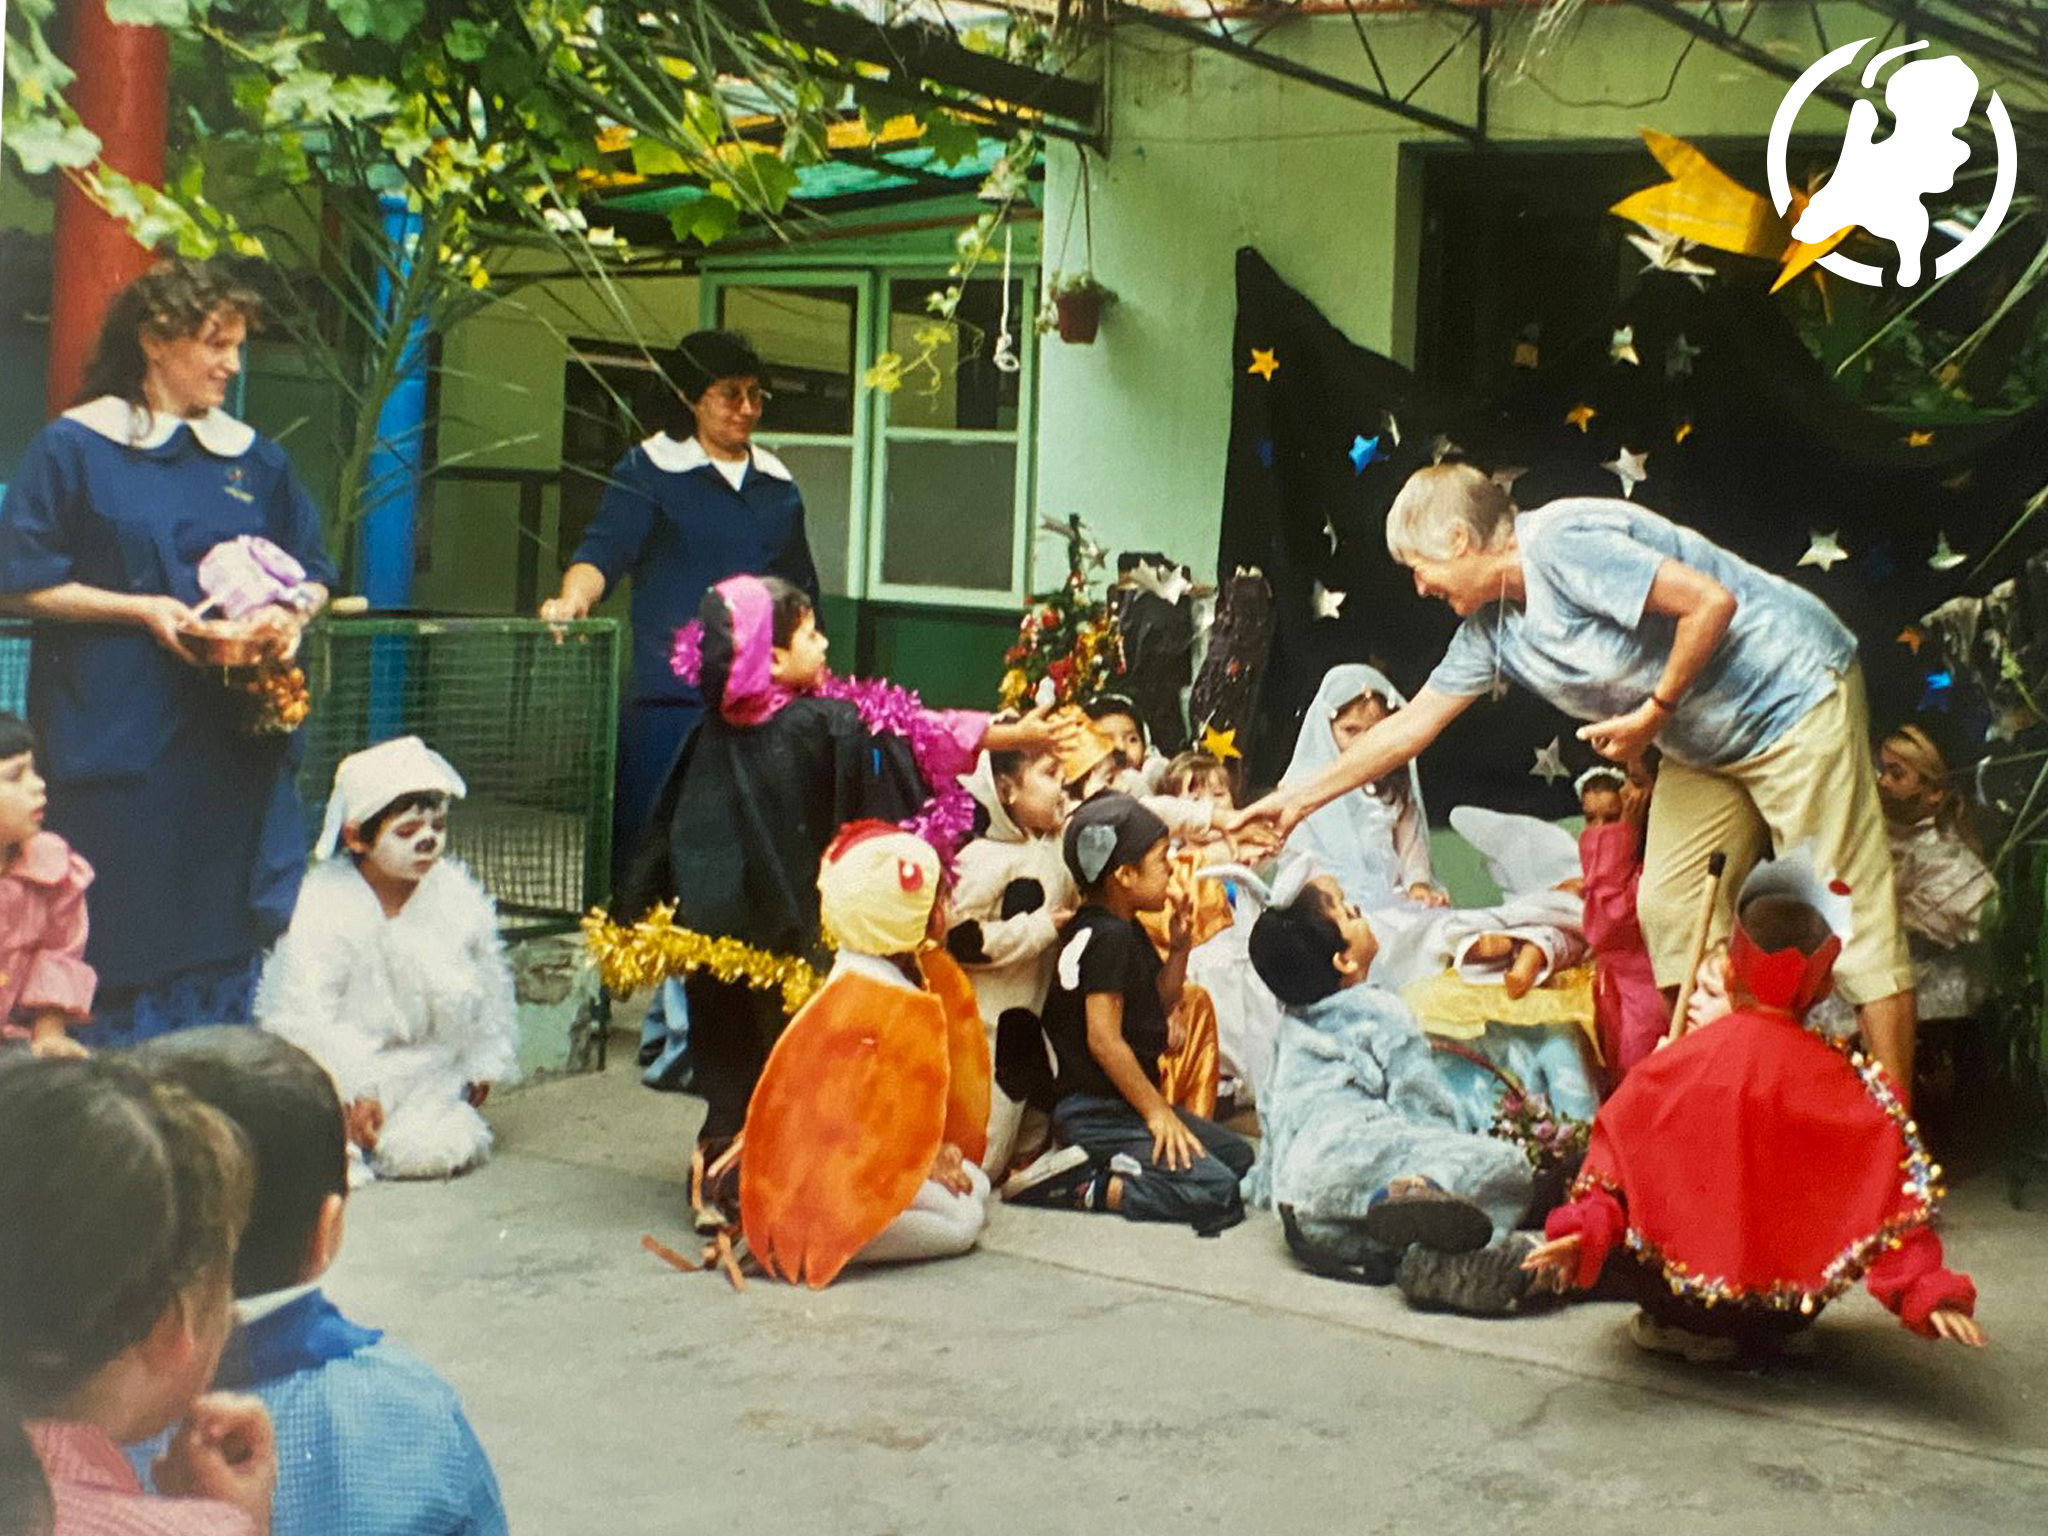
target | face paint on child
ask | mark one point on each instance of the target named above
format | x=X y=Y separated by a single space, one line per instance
x=22 y=797
x=410 y=844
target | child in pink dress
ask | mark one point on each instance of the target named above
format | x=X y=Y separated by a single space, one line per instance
x=1631 y=1013
x=45 y=985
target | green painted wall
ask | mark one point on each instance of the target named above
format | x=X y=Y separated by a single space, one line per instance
x=1208 y=154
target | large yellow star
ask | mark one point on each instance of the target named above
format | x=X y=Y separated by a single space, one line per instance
x=1581 y=416
x=1221 y=745
x=1264 y=363
x=1917 y=439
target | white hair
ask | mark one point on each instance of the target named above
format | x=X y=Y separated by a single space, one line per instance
x=1440 y=498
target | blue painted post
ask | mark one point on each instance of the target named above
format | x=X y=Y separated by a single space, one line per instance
x=392 y=481
x=393 y=475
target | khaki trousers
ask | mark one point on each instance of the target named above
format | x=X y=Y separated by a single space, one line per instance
x=1814 y=784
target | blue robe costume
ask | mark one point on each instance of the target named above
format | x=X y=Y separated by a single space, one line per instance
x=370 y=1441
x=676 y=526
x=1355 y=1100
x=193 y=825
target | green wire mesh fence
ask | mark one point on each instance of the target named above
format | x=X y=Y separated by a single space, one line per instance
x=530 y=720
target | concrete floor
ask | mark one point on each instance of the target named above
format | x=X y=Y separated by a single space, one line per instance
x=1083 y=1374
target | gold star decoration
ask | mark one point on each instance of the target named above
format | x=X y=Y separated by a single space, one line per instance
x=1221 y=745
x=1910 y=638
x=1682 y=431
x=1580 y=416
x=1917 y=439
x=1525 y=355
x=1264 y=363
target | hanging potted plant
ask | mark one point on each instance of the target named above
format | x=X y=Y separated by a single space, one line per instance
x=1078 y=301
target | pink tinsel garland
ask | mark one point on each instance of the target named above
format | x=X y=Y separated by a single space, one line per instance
x=946 y=819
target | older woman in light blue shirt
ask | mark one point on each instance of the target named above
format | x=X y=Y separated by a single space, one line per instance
x=1653 y=634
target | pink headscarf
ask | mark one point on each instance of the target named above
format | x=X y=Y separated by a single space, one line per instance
x=750 y=694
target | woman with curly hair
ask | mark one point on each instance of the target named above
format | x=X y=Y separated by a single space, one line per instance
x=191 y=823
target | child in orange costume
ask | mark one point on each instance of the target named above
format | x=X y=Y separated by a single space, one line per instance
x=863 y=1134
x=1753 y=1170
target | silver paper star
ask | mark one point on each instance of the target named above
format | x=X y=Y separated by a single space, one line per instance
x=1944 y=558
x=1169 y=583
x=1824 y=550
x=1330 y=531
x=1327 y=604
x=1621 y=346
x=1390 y=427
x=1630 y=468
x=1550 y=762
x=1441 y=447
x=1506 y=478
x=1666 y=253
x=1678 y=357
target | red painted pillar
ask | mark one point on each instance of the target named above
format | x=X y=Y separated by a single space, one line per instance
x=121 y=93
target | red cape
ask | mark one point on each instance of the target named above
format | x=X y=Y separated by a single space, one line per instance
x=1757 y=1162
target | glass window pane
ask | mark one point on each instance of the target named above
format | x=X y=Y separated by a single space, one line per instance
x=824 y=473
x=950 y=514
x=972 y=394
x=806 y=338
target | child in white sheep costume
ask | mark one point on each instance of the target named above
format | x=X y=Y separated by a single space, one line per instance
x=391 y=974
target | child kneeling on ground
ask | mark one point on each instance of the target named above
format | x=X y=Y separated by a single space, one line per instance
x=391 y=974
x=370 y=1441
x=1126 y=1149
x=1753 y=1169
x=1367 y=1154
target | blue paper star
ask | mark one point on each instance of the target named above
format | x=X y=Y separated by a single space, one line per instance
x=1939 y=685
x=1266 y=452
x=1364 y=451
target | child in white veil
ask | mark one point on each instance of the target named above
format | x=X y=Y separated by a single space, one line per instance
x=1375 y=840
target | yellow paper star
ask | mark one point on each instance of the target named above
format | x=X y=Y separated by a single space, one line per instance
x=1917 y=439
x=1681 y=432
x=1580 y=416
x=1264 y=363
x=1910 y=638
x=1221 y=745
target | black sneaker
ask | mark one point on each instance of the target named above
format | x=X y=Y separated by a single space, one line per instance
x=1429 y=1217
x=1355 y=1262
x=1061 y=1177
x=1484 y=1282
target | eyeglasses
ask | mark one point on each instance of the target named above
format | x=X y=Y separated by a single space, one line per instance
x=732 y=397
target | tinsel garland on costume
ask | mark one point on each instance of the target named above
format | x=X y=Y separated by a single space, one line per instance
x=1921 y=1185
x=654 y=949
x=946 y=819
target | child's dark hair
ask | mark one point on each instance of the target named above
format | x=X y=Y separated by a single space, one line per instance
x=1195 y=767
x=791 y=602
x=1293 y=949
x=15 y=736
x=116 y=1193
x=1783 y=922
x=286 y=1106
x=1105 y=704
x=418 y=800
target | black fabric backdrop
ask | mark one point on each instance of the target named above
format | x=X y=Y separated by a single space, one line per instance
x=1776 y=452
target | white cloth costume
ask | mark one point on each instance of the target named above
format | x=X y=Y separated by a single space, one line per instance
x=407 y=1010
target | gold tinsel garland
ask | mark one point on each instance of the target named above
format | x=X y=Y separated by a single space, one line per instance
x=654 y=949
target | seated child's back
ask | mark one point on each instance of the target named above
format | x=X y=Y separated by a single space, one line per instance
x=371 y=1441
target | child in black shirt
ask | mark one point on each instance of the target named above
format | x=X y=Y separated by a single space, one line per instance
x=1126 y=1149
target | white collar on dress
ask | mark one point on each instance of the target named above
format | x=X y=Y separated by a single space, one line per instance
x=874 y=967
x=680 y=457
x=134 y=427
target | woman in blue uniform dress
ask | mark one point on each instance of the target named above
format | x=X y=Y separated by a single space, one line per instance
x=193 y=825
x=685 y=509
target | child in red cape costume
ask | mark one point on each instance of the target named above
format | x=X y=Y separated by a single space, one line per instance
x=1756 y=1171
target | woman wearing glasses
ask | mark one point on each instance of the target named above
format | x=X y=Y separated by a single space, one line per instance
x=685 y=509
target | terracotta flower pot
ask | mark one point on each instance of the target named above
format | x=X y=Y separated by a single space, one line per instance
x=1080 y=314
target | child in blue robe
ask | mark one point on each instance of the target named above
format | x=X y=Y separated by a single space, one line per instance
x=370 y=1441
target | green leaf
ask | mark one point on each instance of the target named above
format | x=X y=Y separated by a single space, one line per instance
x=770 y=179
x=43 y=143
x=707 y=221
x=651 y=157
x=357 y=98
x=467 y=41
x=151 y=13
x=951 y=140
x=299 y=97
x=390 y=21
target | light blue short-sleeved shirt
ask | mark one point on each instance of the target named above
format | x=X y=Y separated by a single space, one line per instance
x=1583 y=641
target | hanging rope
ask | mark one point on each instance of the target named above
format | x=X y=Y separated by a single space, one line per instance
x=1006 y=358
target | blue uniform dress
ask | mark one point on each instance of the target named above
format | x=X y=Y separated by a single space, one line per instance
x=193 y=825
x=673 y=523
